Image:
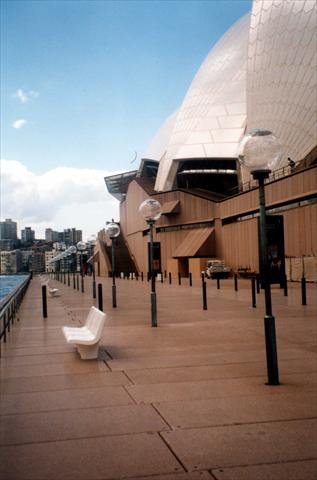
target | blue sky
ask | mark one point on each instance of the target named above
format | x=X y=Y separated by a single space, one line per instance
x=85 y=84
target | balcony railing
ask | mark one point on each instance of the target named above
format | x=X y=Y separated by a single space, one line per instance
x=9 y=307
x=275 y=175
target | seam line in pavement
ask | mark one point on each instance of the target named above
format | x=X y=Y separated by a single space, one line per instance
x=172 y=452
x=70 y=439
x=243 y=465
x=239 y=424
x=161 y=416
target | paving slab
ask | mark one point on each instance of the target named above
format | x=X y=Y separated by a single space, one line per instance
x=235 y=387
x=55 y=369
x=62 y=382
x=305 y=470
x=231 y=411
x=217 y=358
x=192 y=390
x=213 y=372
x=83 y=423
x=207 y=448
x=94 y=458
x=63 y=400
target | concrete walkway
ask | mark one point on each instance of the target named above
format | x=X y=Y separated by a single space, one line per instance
x=186 y=400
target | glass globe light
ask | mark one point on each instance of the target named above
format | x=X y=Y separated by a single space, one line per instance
x=150 y=209
x=260 y=150
x=81 y=246
x=72 y=249
x=112 y=230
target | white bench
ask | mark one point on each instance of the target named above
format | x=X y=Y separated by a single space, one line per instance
x=87 y=337
x=53 y=292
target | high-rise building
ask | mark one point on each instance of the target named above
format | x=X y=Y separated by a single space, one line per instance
x=70 y=236
x=27 y=234
x=8 y=230
x=51 y=235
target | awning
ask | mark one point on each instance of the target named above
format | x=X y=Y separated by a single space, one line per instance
x=193 y=242
x=170 y=207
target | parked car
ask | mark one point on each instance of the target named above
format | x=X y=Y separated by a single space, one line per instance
x=217 y=269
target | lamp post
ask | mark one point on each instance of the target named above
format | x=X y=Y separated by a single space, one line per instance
x=92 y=242
x=72 y=251
x=151 y=211
x=260 y=152
x=81 y=246
x=113 y=231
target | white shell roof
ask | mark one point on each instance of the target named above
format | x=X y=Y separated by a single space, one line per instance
x=282 y=75
x=261 y=74
x=159 y=144
x=212 y=118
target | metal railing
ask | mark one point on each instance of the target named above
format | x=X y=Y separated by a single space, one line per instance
x=9 y=307
x=275 y=175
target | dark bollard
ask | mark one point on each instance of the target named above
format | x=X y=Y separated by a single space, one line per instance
x=93 y=289
x=190 y=280
x=235 y=282
x=74 y=281
x=162 y=278
x=179 y=279
x=68 y=280
x=285 y=286
x=64 y=278
x=169 y=278
x=218 y=283
x=165 y=275
x=258 y=285
x=77 y=282
x=100 y=302
x=142 y=276
x=44 y=301
x=304 y=291
x=202 y=276
x=204 y=285
x=253 y=292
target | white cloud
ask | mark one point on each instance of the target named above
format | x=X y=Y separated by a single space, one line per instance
x=24 y=97
x=19 y=123
x=60 y=198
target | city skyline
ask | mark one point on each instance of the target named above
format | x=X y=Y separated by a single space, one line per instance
x=83 y=98
x=22 y=230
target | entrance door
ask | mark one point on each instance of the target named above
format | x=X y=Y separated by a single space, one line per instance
x=183 y=268
x=275 y=248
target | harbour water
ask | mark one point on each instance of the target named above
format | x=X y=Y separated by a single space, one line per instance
x=9 y=283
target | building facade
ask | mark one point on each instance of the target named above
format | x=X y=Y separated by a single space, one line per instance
x=10 y=262
x=261 y=74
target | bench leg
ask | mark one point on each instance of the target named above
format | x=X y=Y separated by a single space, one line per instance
x=88 y=352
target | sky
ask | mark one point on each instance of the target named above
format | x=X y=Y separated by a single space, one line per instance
x=85 y=85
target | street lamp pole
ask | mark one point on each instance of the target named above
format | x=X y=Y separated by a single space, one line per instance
x=151 y=211
x=260 y=152
x=81 y=246
x=113 y=231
